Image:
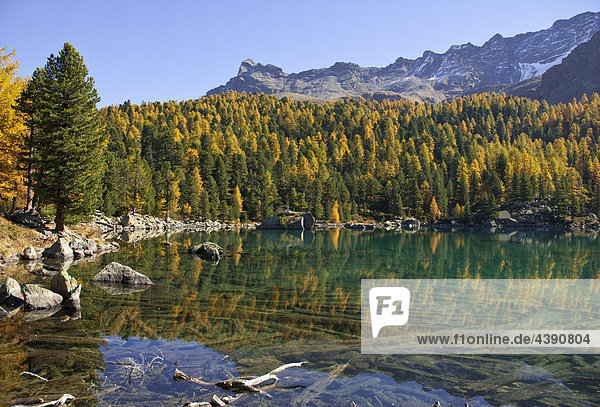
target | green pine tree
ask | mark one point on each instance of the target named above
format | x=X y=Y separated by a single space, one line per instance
x=70 y=136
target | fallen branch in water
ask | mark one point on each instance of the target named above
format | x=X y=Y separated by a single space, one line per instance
x=179 y=376
x=236 y=385
x=59 y=402
x=34 y=375
x=250 y=385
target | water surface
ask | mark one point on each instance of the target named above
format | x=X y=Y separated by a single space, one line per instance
x=281 y=297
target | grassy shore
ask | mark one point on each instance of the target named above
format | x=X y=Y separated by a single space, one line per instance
x=14 y=238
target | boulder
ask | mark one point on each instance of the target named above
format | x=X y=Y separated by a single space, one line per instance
x=118 y=273
x=3 y=313
x=37 y=297
x=72 y=300
x=133 y=221
x=290 y=221
x=208 y=251
x=59 y=250
x=29 y=253
x=411 y=223
x=78 y=254
x=504 y=215
x=10 y=293
x=63 y=284
x=90 y=247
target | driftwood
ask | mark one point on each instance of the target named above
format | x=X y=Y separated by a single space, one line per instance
x=59 y=402
x=179 y=376
x=34 y=375
x=236 y=385
x=250 y=385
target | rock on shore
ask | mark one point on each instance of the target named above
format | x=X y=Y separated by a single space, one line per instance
x=289 y=221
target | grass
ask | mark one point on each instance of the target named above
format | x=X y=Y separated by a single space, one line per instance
x=14 y=238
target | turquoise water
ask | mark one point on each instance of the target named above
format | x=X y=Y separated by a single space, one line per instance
x=282 y=297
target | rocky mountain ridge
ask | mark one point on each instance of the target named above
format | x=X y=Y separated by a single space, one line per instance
x=432 y=77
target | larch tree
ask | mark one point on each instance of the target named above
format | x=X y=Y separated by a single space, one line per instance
x=12 y=126
x=70 y=137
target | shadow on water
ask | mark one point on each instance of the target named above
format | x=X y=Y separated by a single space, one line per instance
x=280 y=297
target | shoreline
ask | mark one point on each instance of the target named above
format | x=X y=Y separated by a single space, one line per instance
x=136 y=227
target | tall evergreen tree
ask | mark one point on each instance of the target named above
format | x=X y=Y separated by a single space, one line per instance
x=70 y=139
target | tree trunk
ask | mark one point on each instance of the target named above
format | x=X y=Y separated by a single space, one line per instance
x=60 y=218
x=14 y=204
x=30 y=203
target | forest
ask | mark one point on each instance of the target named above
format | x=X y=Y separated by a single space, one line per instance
x=236 y=156
x=241 y=157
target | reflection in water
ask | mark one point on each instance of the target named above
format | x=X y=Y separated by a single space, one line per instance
x=281 y=297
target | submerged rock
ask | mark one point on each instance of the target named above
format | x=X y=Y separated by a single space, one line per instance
x=120 y=289
x=59 y=250
x=208 y=251
x=37 y=297
x=118 y=273
x=10 y=293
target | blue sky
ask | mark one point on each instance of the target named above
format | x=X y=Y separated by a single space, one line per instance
x=177 y=50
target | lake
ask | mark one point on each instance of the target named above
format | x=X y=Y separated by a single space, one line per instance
x=281 y=297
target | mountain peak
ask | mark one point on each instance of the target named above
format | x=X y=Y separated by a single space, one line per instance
x=433 y=77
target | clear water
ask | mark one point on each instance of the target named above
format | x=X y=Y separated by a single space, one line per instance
x=281 y=297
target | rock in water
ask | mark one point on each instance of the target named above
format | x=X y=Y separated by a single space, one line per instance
x=118 y=273
x=208 y=251
x=30 y=253
x=10 y=293
x=72 y=300
x=37 y=297
x=63 y=284
x=59 y=250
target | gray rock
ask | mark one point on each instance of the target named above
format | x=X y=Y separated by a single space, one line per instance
x=59 y=250
x=72 y=300
x=10 y=293
x=290 y=221
x=208 y=251
x=63 y=284
x=504 y=215
x=490 y=223
x=118 y=273
x=91 y=246
x=29 y=253
x=37 y=297
x=411 y=223
x=78 y=254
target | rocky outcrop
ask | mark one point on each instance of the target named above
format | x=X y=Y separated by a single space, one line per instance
x=208 y=251
x=289 y=221
x=38 y=297
x=138 y=226
x=118 y=273
x=433 y=77
x=10 y=293
x=59 y=250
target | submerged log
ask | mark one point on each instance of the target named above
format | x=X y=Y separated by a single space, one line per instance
x=250 y=385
